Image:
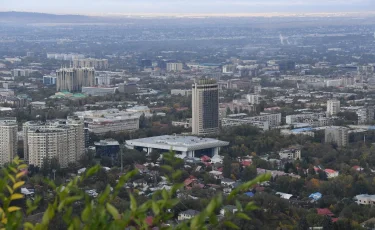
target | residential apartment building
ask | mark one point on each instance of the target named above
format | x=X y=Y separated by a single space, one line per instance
x=253 y=99
x=333 y=107
x=8 y=140
x=174 y=67
x=60 y=139
x=91 y=63
x=73 y=79
x=338 y=135
x=205 y=107
x=181 y=92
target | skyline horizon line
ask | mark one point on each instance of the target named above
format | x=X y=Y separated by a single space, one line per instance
x=260 y=14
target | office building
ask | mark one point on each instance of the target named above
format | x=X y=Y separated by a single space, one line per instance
x=128 y=88
x=73 y=79
x=49 y=80
x=60 y=139
x=333 y=107
x=8 y=140
x=183 y=146
x=205 y=107
x=337 y=135
x=174 y=67
x=91 y=63
x=107 y=148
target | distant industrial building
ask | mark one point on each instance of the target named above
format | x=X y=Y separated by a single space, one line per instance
x=99 y=64
x=8 y=139
x=183 y=146
x=205 y=107
x=337 y=135
x=73 y=79
x=107 y=148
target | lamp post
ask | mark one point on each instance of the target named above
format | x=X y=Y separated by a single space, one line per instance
x=54 y=174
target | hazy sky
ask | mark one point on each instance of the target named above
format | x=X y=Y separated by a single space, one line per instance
x=186 y=6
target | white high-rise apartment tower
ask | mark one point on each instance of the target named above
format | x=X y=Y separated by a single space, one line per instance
x=333 y=107
x=8 y=140
x=205 y=107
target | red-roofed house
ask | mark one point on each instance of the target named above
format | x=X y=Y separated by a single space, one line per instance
x=331 y=173
x=324 y=212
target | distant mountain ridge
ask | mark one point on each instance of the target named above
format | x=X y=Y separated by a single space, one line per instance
x=30 y=17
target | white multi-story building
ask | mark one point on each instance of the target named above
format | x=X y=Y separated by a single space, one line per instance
x=253 y=99
x=91 y=63
x=60 y=139
x=103 y=80
x=181 y=92
x=291 y=153
x=8 y=140
x=333 y=107
x=365 y=199
x=338 y=135
x=205 y=107
x=113 y=120
x=174 y=67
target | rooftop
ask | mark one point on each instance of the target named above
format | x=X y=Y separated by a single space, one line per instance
x=187 y=143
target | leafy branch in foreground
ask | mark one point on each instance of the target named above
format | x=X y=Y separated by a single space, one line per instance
x=80 y=211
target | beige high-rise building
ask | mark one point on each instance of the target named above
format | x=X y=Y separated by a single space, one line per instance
x=8 y=140
x=205 y=107
x=91 y=63
x=72 y=79
x=333 y=107
x=60 y=139
x=338 y=135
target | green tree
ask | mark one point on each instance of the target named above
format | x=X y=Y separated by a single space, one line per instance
x=327 y=223
x=302 y=224
x=227 y=167
x=249 y=173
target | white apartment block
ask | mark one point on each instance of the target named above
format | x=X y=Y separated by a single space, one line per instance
x=91 y=63
x=181 y=92
x=253 y=99
x=174 y=67
x=60 y=139
x=333 y=107
x=8 y=140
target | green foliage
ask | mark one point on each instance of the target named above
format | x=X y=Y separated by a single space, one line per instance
x=77 y=210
